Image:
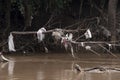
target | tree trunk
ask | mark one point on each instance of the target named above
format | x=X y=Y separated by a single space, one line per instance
x=7 y=7
x=6 y=11
x=80 y=9
x=27 y=13
x=112 y=18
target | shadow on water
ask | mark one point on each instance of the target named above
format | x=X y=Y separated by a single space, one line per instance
x=57 y=67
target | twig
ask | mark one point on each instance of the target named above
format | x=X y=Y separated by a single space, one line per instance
x=34 y=32
x=94 y=52
x=3 y=44
x=107 y=50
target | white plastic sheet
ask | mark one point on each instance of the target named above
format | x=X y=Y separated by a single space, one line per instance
x=40 y=34
x=57 y=35
x=11 y=43
x=88 y=47
x=88 y=34
x=67 y=38
x=82 y=44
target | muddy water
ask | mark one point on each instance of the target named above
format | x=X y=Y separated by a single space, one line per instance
x=58 y=67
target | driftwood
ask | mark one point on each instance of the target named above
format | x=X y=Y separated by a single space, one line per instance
x=35 y=32
x=99 y=43
x=100 y=68
x=71 y=41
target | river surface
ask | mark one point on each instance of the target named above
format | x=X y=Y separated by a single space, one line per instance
x=59 y=66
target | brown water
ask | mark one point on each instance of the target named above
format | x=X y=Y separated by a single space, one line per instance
x=58 y=67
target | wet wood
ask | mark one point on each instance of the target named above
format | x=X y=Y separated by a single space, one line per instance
x=35 y=32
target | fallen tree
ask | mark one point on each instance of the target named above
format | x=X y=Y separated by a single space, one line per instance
x=65 y=37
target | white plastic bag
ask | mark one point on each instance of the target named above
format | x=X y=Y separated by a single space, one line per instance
x=40 y=34
x=11 y=43
x=88 y=34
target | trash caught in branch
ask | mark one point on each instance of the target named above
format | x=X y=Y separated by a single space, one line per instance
x=88 y=34
x=11 y=43
x=40 y=34
x=58 y=33
x=66 y=40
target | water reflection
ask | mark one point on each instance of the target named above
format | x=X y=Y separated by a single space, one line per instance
x=2 y=65
x=109 y=75
x=9 y=66
x=55 y=71
x=40 y=75
x=11 y=70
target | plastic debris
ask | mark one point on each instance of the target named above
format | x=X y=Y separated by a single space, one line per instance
x=88 y=34
x=87 y=47
x=65 y=40
x=11 y=43
x=82 y=44
x=40 y=34
x=58 y=33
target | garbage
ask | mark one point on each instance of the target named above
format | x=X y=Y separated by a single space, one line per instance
x=58 y=33
x=40 y=34
x=11 y=43
x=88 y=34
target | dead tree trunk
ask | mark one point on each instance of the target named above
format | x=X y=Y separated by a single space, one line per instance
x=7 y=5
x=27 y=13
x=112 y=18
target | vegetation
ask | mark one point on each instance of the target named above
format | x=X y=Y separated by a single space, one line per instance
x=30 y=15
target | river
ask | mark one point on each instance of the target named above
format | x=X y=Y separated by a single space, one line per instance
x=58 y=66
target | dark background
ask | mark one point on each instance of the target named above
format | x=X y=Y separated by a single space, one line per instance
x=31 y=15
